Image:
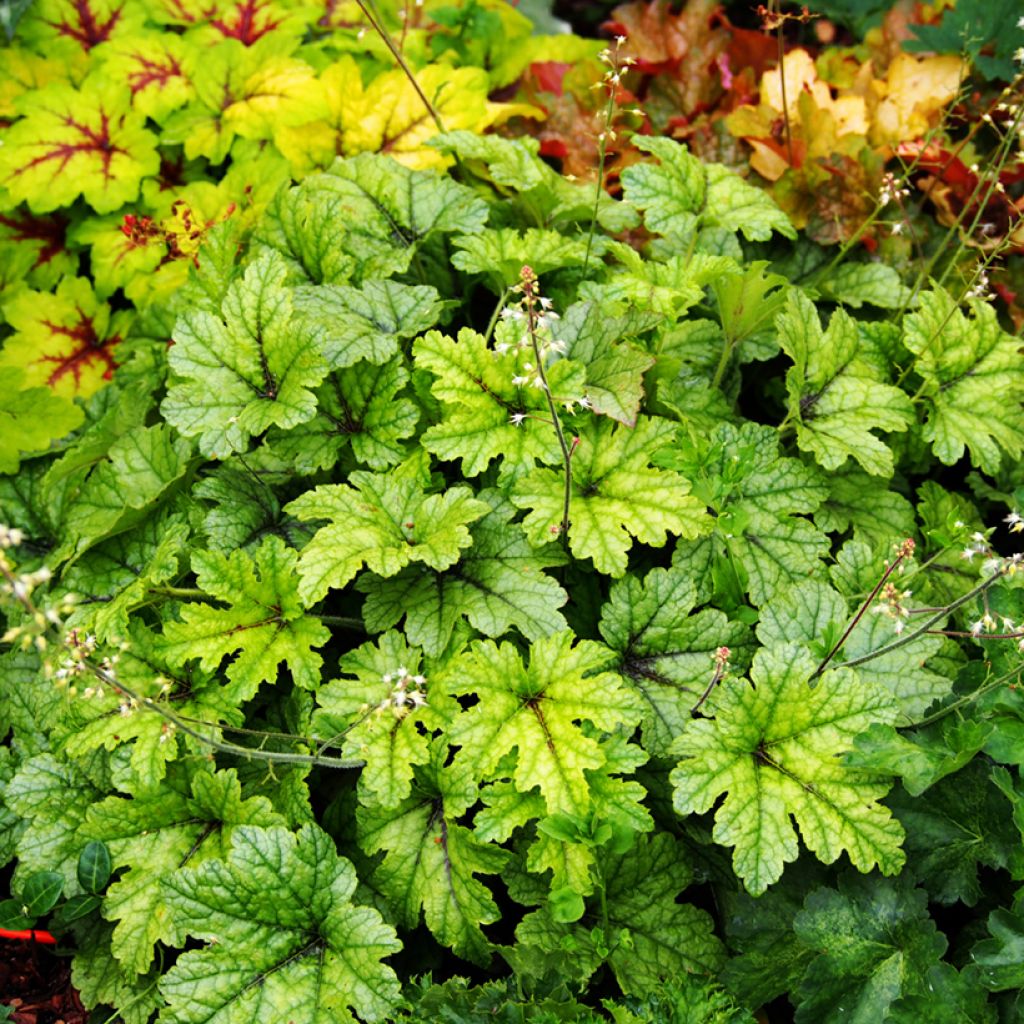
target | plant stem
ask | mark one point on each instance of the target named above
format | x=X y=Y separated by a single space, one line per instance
x=890 y=569
x=351 y=622
x=970 y=697
x=401 y=62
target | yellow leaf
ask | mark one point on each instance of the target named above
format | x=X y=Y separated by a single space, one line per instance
x=912 y=96
x=283 y=91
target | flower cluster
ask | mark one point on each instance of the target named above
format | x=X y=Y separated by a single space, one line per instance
x=892 y=602
x=408 y=691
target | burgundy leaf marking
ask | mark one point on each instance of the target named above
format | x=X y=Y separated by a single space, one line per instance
x=151 y=71
x=89 y=31
x=245 y=27
x=87 y=349
x=48 y=230
x=95 y=140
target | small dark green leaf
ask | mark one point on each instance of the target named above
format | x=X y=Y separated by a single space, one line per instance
x=76 y=908
x=41 y=892
x=12 y=917
x=94 y=867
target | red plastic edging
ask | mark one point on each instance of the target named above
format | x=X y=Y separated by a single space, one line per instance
x=31 y=935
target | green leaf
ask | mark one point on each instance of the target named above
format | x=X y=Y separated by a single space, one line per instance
x=959 y=826
x=876 y=943
x=615 y=496
x=755 y=493
x=153 y=836
x=251 y=366
x=864 y=504
x=681 y=194
x=384 y=716
x=921 y=758
x=667 y=653
x=836 y=398
x=772 y=749
x=498 y=583
x=535 y=708
x=854 y=284
x=1000 y=959
x=478 y=398
x=654 y=937
x=71 y=142
x=973 y=383
x=367 y=322
x=285 y=940
x=987 y=33
x=383 y=521
x=953 y=997
x=30 y=418
x=265 y=620
x=94 y=867
x=431 y=859
x=40 y=893
x=614 y=381
x=503 y=252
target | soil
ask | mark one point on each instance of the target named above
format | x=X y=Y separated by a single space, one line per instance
x=35 y=986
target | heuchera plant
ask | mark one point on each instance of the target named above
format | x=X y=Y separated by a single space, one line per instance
x=469 y=591
x=130 y=128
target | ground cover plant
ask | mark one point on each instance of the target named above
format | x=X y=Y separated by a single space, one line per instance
x=477 y=596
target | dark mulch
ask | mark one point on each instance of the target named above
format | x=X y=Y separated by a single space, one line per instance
x=36 y=985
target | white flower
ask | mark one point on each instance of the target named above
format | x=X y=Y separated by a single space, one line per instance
x=1015 y=521
x=519 y=381
x=968 y=553
x=517 y=418
x=977 y=627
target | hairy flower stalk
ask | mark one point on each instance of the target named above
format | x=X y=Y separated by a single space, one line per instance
x=536 y=314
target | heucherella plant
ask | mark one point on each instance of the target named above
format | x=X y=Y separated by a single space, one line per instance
x=485 y=584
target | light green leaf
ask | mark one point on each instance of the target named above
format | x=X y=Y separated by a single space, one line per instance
x=383 y=715
x=498 y=583
x=616 y=495
x=383 y=521
x=154 y=835
x=252 y=366
x=503 y=252
x=534 y=708
x=667 y=653
x=681 y=194
x=836 y=398
x=854 y=284
x=285 y=940
x=358 y=406
x=877 y=515
x=366 y=322
x=100 y=979
x=431 y=859
x=265 y=620
x=30 y=418
x=772 y=749
x=973 y=380
x=755 y=494
x=474 y=386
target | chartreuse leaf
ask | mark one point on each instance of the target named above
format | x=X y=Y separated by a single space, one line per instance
x=681 y=194
x=384 y=521
x=252 y=366
x=836 y=397
x=30 y=418
x=875 y=943
x=156 y=66
x=616 y=495
x=100 y=979
x=645 y=936
x=286 y=942
x=498 y=583
x=756 y=495
x=65 y=339
x=502 y=253
x=514 y=165
x=667 y=653
x=534 y=708
x=431 y=859
x=972 y=377
x=264 y=623
x=615 y=370
x=814 y=615
x=366 y=322
x=153 y=835
x=71 y=142
x=358 y=407
x=383 y=716
x=478 y=399
x=772 y=749
x=367 y=218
